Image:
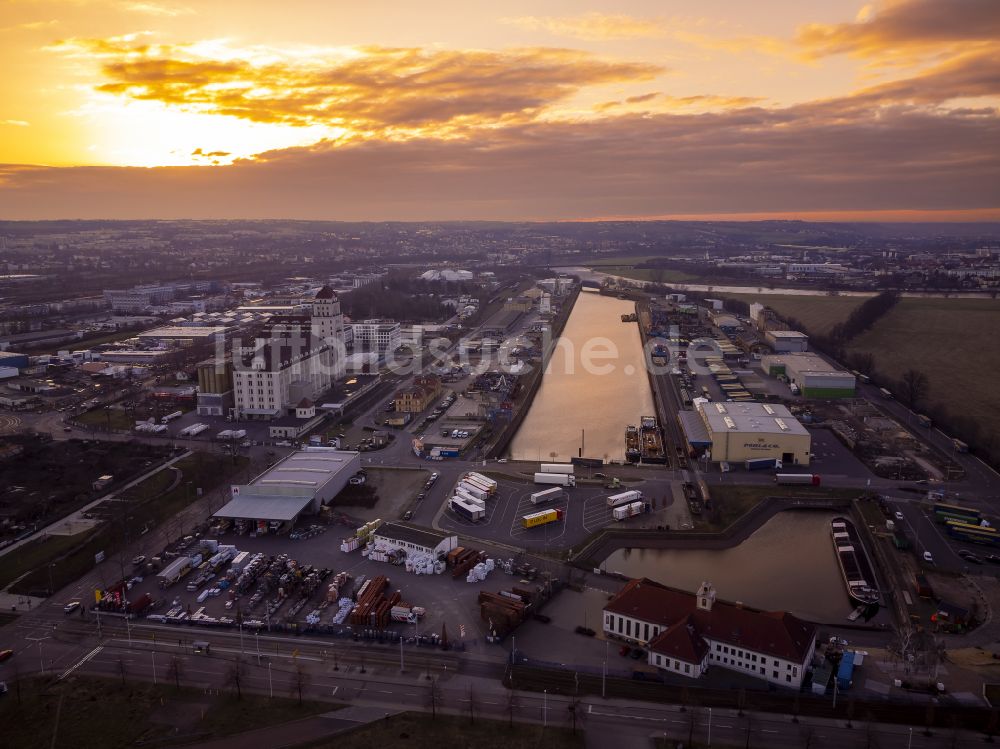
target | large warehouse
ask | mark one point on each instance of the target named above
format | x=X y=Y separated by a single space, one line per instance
x=735 y=432
x=813 y=375
x=300 y=483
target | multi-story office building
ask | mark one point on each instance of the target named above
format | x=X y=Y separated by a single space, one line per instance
x=376 y=336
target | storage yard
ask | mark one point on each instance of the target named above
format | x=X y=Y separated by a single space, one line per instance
x=383 y=579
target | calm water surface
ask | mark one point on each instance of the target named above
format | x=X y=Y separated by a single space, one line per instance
x=788 y=564
x=574 y=404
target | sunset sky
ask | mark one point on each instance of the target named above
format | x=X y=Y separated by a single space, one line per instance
x=517 y=110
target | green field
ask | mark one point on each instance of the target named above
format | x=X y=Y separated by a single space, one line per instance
x=954 y=342
x=817 y=313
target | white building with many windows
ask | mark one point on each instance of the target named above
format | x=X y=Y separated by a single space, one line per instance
x=377 y=336
x=687 y=634
x=285 y=364
x=328 y=327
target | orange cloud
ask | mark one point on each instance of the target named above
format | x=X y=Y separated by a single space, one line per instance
x=390 y=92
x=906 y=27
x=664 y=102
x=592 y=26
x=830 y=156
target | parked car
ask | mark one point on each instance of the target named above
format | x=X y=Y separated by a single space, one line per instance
x=899 y=515
x=408 y=515
x=5 y=654
x=70 y=607
x=928 y=557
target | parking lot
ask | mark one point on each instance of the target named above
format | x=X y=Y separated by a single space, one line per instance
x=585 y=512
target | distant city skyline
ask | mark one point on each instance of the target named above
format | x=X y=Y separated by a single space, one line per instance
x=550 y=110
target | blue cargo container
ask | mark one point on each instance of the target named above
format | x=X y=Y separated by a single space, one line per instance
x=446 y=453
x=845 y=673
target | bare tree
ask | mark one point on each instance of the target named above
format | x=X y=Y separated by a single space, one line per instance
x=575 y=713
x=913 y=387
x=175 y=669
x=300 y=680
x=234 y=677
x=434 y=698
x=806 y=736
x=511 y=704
x=693 y=713
x=991 y=724
x=870 y=742
x=473 y=704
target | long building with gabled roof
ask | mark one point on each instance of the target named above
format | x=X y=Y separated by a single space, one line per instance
x=689 y=633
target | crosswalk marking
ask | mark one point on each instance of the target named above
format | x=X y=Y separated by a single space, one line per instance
x=80 y=662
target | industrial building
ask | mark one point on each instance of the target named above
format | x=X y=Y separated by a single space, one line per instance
x=812 y=375
x=688 y=634
x=300 y=483
x=786 y=341
x=215 y=387
x=186 y=334
x=736 y=432
x=415 y=540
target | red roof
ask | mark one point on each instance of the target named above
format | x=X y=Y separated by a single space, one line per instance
x=305 y=403
x=326 y=293
x=681 y=641
x=775 y=633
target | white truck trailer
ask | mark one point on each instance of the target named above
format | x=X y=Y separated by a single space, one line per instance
x=546 y=495
x=557 y=468
x=628 y=511
x=488 y=482
x=617 y=500
x=558 y=479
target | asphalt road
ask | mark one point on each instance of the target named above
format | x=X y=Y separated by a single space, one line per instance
x=61 y=646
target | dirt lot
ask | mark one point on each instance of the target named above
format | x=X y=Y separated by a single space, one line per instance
x=50 y=480
x=397 y=489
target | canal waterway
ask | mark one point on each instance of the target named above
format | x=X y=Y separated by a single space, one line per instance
x=788 y=564
x=594 y=386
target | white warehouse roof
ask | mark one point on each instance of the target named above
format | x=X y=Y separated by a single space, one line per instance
x=758 y=418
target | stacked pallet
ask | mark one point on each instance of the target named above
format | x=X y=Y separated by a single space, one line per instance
x=370 y=597
x=502 y=611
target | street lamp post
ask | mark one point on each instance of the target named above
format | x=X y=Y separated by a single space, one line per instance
x=270 y=685
x=545 y=705
x=604 y=672
x=709 y=742
x=242 y=651
x=909 y=740
x=256 y=637
x=152 y=657
x=41 y=662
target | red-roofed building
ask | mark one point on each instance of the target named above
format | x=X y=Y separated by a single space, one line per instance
x=688 y=633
